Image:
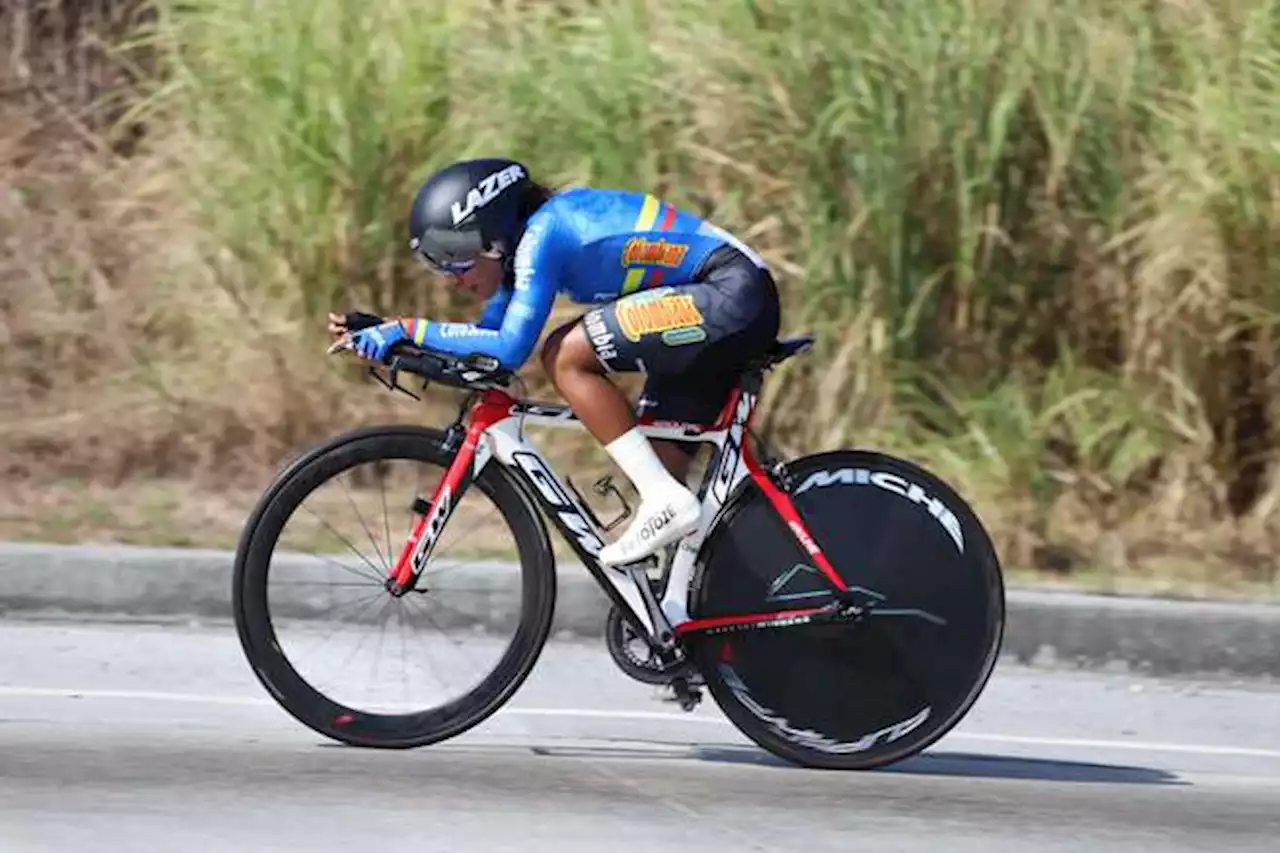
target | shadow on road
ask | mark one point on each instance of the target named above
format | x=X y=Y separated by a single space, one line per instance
x=1040 y=769
x=972 y=765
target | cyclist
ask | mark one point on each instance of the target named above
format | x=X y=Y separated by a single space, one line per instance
x=676 y=298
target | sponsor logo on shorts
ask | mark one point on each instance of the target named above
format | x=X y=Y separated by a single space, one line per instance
x=678 y=337
x=600 y=336
x=640 y=317
x=658 y=253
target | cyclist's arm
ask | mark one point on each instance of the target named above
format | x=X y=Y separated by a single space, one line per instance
x=526 y=313
x=494 y=310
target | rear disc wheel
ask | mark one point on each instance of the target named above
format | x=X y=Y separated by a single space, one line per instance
x=852 y=695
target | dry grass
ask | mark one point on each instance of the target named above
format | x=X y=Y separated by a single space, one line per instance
x=1038 y=243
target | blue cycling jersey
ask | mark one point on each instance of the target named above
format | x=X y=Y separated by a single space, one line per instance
x=594 y=246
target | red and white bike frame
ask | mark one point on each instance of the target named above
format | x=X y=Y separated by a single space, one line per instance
x=495 y=434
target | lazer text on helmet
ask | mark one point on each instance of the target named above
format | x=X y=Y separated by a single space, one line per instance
x=486 y=191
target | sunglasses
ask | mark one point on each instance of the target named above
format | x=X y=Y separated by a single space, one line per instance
x=448 y=266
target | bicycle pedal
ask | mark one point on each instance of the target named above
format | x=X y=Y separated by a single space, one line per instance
x=680 y=691
x=689 y=702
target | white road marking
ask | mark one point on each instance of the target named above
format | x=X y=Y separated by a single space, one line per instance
x=655 y=716
x=133 y=695
x=1147 y=746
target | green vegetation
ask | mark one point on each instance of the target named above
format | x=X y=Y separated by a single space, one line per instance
x=1038 y=242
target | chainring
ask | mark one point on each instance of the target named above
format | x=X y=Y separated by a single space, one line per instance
x=633 y=655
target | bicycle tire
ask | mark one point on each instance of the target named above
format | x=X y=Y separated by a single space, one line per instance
x=757 y=677
x=334 y=719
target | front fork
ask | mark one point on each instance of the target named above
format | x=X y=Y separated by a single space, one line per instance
x=465 y=445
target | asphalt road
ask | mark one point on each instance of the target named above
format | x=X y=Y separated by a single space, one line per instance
x=127 y=737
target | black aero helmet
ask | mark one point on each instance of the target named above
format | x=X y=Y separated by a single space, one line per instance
x=463 y=209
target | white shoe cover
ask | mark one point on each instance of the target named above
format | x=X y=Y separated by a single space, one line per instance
x=661 y=520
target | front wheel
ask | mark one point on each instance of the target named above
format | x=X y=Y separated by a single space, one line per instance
x=309 y=595
x=858 y=695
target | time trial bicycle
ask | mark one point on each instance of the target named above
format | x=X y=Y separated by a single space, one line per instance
x=845 y=609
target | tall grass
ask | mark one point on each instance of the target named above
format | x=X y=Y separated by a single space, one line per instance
x=311 y=120
x=1037 y=241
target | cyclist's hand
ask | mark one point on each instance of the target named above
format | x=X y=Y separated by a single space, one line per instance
x=373 y=342
x=352 y=321
x=342 y=325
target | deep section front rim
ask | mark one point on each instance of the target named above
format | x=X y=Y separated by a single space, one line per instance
x=343 y=720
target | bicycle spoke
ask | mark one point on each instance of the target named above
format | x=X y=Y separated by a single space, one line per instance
x=436 y=569
x=361 y=605
x=386 y=603
x=426 y=614
x=406 y=613
x=440 y=551
x=369 y=579
x=404 y=655
x=382 y=636
x=386 y=521
x=345 y=541
x=344 y=584
x=374 y=579
x=360 y=516
x=356 y=605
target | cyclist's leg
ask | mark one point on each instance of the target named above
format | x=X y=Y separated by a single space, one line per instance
x=571 y=363
x=668 y=509
x=601 y=406
x=688 y=339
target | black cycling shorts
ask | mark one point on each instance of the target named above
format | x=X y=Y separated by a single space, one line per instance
x=690 y=340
